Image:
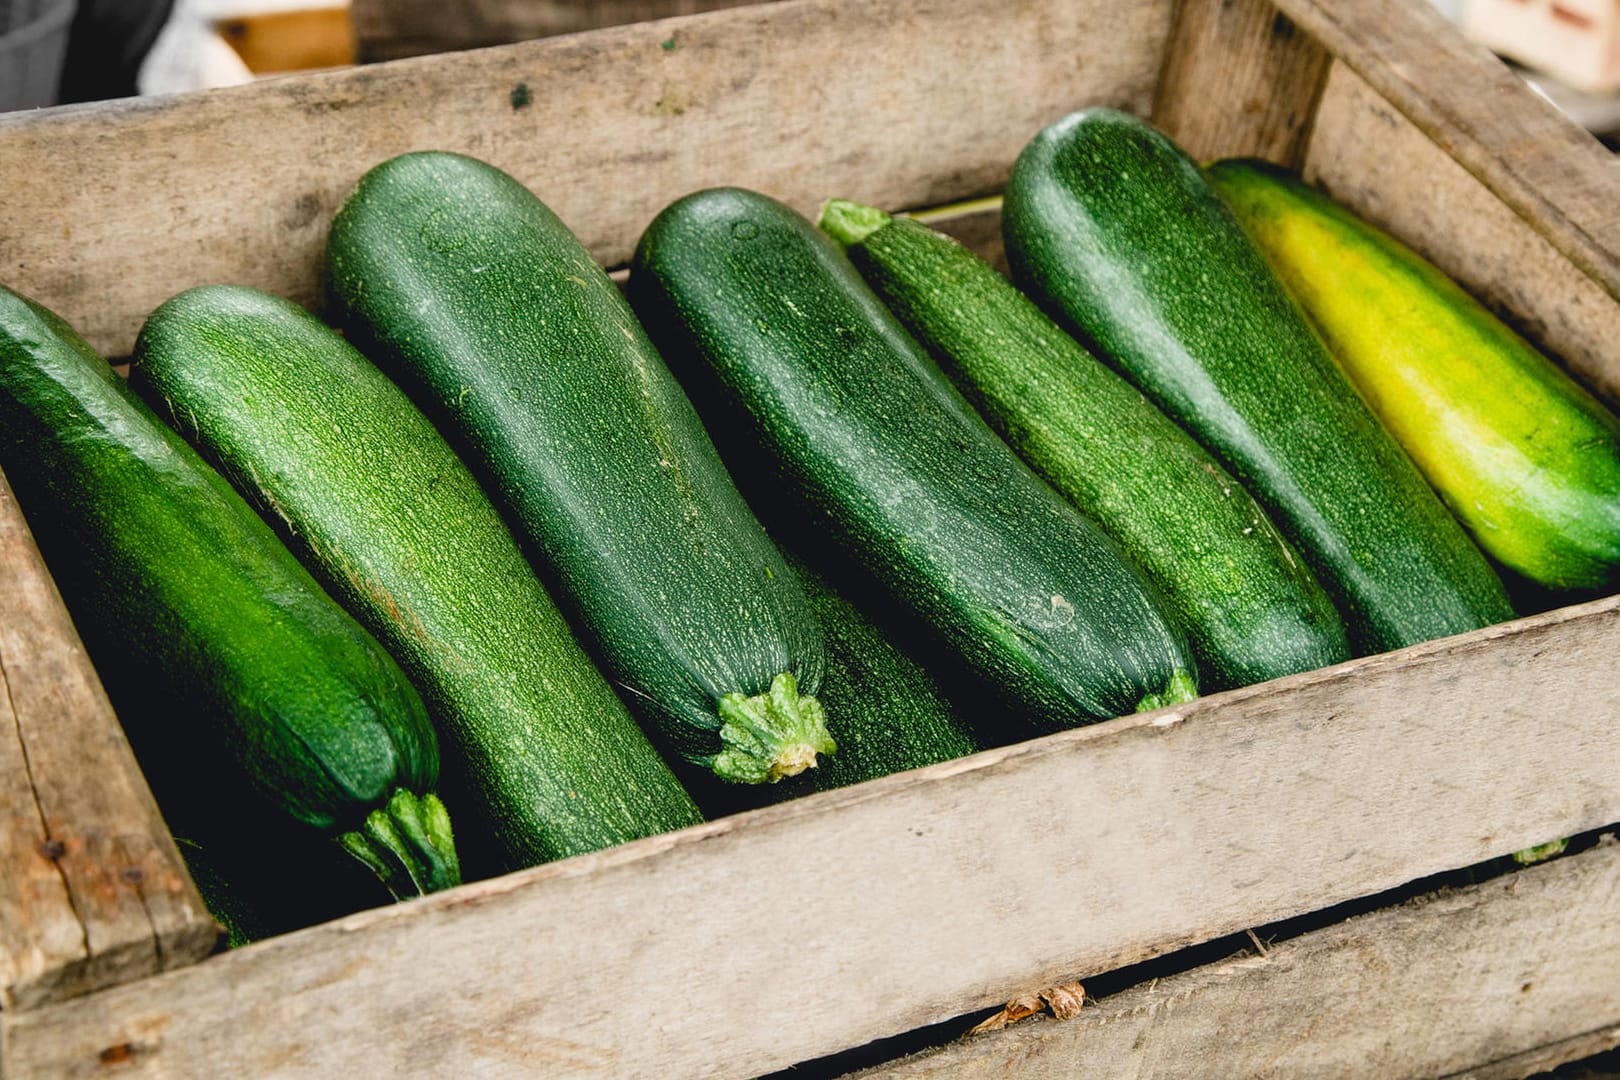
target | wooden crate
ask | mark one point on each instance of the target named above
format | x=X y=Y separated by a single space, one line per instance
x=777 y=937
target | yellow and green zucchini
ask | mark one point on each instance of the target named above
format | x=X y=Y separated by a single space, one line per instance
x=1526 y=459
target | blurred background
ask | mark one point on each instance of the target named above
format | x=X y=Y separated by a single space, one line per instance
x=58 y=51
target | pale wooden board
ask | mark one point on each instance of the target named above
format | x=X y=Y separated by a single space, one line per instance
x=390 y=29
x=109 y=209
x=755 y=942
x=92 y=890
x=1504 y=978
x=1551 y=1056
x=1374 y=160
x=1542 y=166
x=1268 y=76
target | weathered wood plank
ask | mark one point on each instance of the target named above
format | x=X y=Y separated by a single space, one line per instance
x=112 y=208
x=1543 y=167
x=1518 y=973
x=390 y=29
x=1377 y=162
x=1238 y=79
x=816 y=925
x=1551 y=1056
x=92 y=890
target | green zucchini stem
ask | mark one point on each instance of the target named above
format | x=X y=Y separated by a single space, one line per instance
x=1181 y=689
x=771 y=735
x=850 y=222
x=1540 y=852
x=408 y=844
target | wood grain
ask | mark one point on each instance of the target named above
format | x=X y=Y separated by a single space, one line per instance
x=816 y=925
x=1377 y=162
x=112 y=208
x=390 y=29
x=1238 y=79
x=92 y=890
x=1499 y=979
x=1542 y=167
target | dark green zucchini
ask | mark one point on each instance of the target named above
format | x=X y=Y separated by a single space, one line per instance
x=1115 y=231
x=524 y=351
x=1251 y=609
x=203 y=624
x=855 y=425
x=376 y=503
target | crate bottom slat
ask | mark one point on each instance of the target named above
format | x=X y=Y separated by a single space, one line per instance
x=1496 y=980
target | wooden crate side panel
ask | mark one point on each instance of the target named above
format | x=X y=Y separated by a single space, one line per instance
x=1466 y=980
x=1374 y=160
x=390 y=29
x=1239 y=78
x=1543 y=167
x=112 y=208
x=92 y=889
x=945 y=889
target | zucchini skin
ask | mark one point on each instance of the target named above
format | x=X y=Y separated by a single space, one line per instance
x=377 y=504
x=1251 y=609
x=846 y=415
x=1113 y=229
x=191 y=607
x=1526 y=459
x=524 y=352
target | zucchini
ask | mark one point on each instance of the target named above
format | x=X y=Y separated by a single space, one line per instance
x=1113 y=229
x=190 y=606
x=525 y=353
x=376 y=503
x=846 y=416
x=1528 y=460
x=1252 y=611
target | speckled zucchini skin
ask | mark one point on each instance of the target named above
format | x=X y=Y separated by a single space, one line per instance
x=376 y=503
x=525 y=353
x=871 y=442
x=1528 y=460
x=196 y=615
x=1251 y=608
x=1114 y=230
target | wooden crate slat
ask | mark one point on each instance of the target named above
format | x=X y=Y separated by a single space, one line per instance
x=112 y=208
x=1500 y=979
x=92 y=890
x=1374 y=160
x=1268 y=76
x=1545 y=168
x=390 y=29
x=950 y=888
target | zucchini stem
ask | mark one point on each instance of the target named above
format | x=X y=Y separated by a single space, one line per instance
x=850 y=222
x=771 y=735
x=408 y=844
x=1181 y=689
